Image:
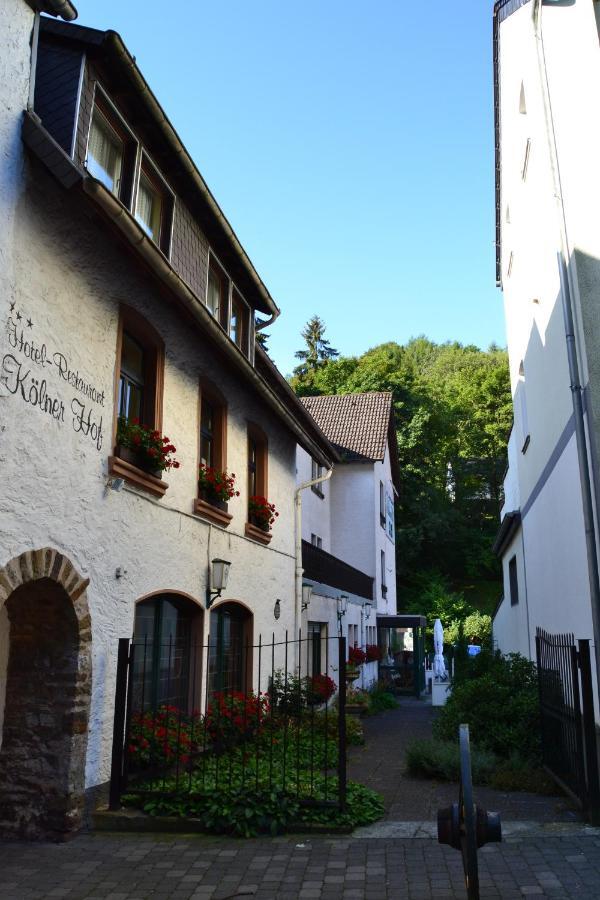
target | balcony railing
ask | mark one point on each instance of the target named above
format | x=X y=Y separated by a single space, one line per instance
x=327 y=569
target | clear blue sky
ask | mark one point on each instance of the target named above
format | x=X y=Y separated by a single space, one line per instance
x=349 y=144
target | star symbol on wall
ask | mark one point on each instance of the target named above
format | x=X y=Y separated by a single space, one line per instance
x=12 y=306
x=29 y=323
x=19 y=316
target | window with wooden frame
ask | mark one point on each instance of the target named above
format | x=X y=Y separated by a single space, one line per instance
x=154 y=205
x=238 y=322
x=111 y=149
x=139 y=378
x=257 y=479
x=213 y=450
x=217 y=292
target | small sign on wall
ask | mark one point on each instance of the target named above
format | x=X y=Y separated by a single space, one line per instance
x=390 y=516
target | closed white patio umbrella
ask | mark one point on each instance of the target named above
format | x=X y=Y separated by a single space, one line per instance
x=439 y=666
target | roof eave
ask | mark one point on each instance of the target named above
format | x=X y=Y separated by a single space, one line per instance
x=111 y=43
x=61 y=9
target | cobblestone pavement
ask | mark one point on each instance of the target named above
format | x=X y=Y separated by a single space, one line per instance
x=136 y=867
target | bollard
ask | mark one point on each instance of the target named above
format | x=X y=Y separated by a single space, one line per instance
x=465 y=826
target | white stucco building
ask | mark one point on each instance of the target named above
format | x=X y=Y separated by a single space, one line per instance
x=348 y=528
x=547 y=55
x=124 y=294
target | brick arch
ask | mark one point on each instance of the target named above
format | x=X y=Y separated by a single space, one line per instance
x=48 y=693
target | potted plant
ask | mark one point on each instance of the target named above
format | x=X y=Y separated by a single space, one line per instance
x=144 y=447
x=356 y=658
x=320 y=689
x=216 y=487
x=357 y=702
x=373 y=653
x=262 y=513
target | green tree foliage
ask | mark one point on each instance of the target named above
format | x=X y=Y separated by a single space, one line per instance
x=453 y=413
x=318 y=350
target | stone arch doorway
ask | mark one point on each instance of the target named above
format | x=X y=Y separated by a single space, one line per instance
x=47 y=643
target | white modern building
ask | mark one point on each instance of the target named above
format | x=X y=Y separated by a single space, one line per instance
x=124 y=295
x=348 y=528
x=547 y=62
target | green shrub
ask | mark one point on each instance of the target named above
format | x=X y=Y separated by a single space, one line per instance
x=381 y=699
x=517 y=774
x=497 y=696
x=428 y=758
x=355 y=735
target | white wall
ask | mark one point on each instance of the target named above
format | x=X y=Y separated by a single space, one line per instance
x=316 y=510
x=544 y=481
x=511 y=630
x=69 y=277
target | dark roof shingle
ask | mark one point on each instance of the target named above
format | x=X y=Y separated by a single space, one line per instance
x=356 y=424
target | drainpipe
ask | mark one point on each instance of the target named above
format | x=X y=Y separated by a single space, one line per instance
x=572 y=353
x=299 y=568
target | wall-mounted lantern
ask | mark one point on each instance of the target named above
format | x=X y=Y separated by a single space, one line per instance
x=342 y=606
x=306 y=595
x=218 y=580
x=368 y=608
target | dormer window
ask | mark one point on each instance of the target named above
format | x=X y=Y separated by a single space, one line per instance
x=238 y=324
x=106 y=151
x=217 y=293
x=154 y=205
x=148 y=207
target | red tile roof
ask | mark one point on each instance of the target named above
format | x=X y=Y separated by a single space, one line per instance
x=356 y=424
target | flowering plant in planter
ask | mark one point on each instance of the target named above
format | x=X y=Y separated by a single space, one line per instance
x=153 y=451
x=233 y=717
x=164 y=736
x=262 y=513
x=356 y=656
x=216 y=484
x=320 y=688
x=373 y=653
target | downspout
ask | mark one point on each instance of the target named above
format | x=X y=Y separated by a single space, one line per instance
x=299 y=567
x=35 y=40
x=570 y=336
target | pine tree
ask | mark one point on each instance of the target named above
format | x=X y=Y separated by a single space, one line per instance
x=318 y=351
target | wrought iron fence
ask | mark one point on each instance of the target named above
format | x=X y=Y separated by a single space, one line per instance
x=567 y=717
x=192 y=719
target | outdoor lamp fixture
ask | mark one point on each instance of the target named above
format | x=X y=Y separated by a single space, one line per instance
x=220 y=574
x=342 y=606
x=277 y=609
x=306 y=595
x=368 y=608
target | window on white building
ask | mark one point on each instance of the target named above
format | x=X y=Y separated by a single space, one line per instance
x=383 y=578
x=316 y=541
x=513 y=581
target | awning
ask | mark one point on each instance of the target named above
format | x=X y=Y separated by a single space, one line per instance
x=401 y=621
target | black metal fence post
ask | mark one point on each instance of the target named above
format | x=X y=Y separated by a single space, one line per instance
x=589 y=734
x=342 y=773
x=116 y=767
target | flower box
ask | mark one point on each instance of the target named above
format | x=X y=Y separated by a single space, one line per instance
x=257 y=534
x=136 y=459
x=215 y=512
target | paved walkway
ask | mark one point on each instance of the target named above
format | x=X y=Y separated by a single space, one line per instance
x=130 y=867
x=380 y=765
x=398 y=859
